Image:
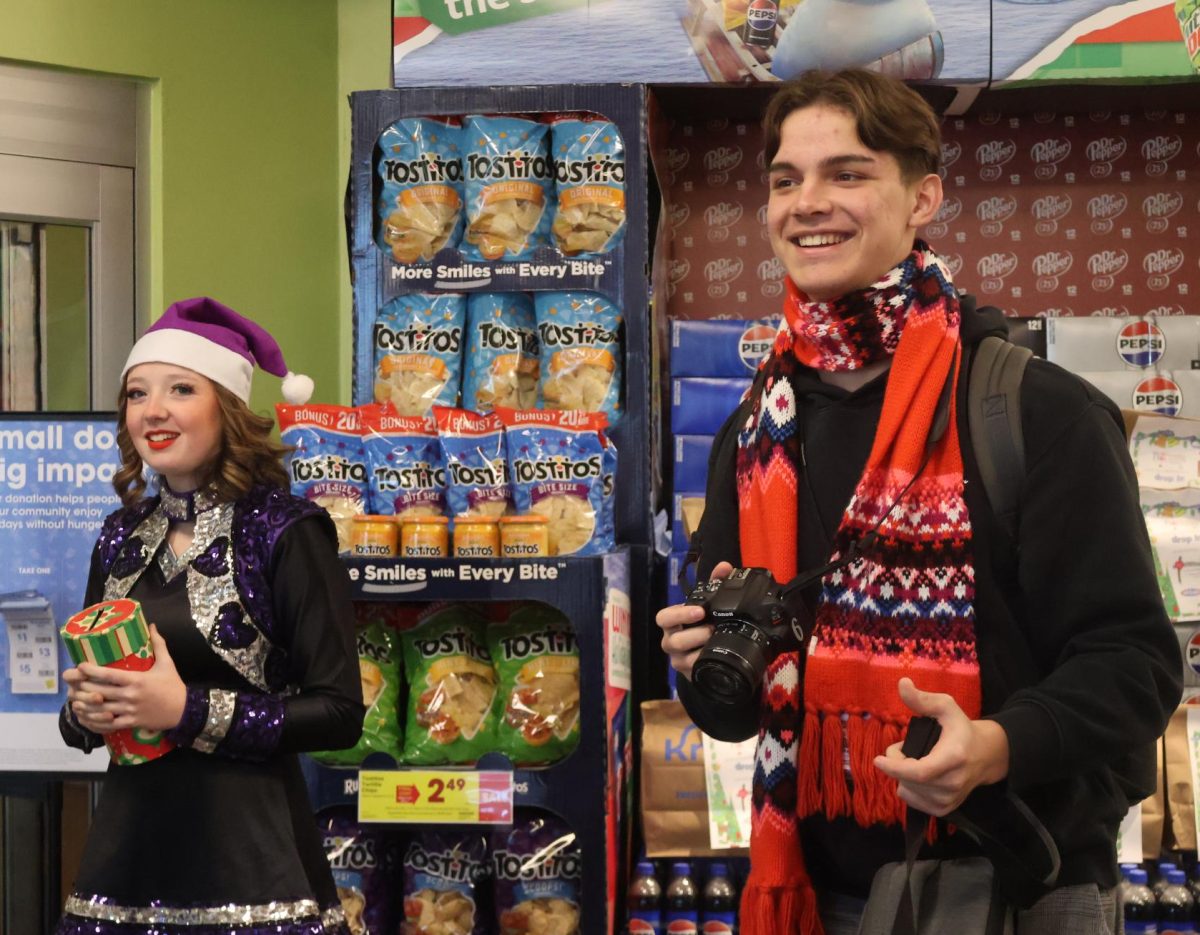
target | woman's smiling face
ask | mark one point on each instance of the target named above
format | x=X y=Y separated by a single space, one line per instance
x=174 y=421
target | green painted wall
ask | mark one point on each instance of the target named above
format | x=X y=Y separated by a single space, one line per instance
x=245 y=178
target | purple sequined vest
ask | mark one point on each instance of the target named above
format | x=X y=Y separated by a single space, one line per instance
x=228 y=569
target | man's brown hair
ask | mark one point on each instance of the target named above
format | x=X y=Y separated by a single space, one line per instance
x=248 y=455
x=890 y=116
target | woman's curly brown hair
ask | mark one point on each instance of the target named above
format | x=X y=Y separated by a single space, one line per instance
x=248 y=455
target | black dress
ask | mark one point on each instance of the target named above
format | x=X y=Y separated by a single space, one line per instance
x=201 y=842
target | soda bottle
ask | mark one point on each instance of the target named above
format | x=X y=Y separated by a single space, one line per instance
x=1141 y=913
x=761 y=16
x=718 y=905
x=644 y=902
x=1160 y=884
x=682 y=917
x=1175 y=906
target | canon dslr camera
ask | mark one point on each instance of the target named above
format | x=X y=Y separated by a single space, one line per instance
x=754 y=620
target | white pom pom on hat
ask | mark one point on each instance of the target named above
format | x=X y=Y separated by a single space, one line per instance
x=212 y=339
x=297 y=388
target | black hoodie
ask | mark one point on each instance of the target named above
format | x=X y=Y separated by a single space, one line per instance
x=1078 y=661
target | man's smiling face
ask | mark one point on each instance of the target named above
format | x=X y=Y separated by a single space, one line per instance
x=839 y=214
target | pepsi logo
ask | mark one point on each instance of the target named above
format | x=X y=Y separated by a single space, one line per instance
x=682 y=927
x=1158 y=394
x=1141 y=343
x=639 y=927
x=754 y=344
x=716 y=927
x=1192 y=653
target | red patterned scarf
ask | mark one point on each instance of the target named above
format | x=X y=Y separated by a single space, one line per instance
x=903 y=609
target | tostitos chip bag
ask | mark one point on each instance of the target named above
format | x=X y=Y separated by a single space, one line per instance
x=451 y=690
x=537 y=659
x=421 y=194
x=418 y=342
x=589 y=184
x=476 y=465
x=408 y=476
x=509 y=180
x=579 y=336
x=502 y=352
x=363 y=861
x=380 y=665
x=562 y=466
x=443 y=875
x=328 y=464
x=537 y=865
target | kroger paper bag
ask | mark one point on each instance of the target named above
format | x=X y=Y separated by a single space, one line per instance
x=674 y=797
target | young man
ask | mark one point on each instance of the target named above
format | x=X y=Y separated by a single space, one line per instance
x=1049 y=662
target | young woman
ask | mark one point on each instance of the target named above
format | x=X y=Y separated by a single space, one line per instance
x=252 y=632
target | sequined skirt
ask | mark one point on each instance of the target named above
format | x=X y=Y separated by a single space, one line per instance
x=199 y=844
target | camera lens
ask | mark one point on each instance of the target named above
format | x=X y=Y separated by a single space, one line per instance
x=730 y=667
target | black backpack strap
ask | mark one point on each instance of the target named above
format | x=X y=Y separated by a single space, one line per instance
x=994 y=417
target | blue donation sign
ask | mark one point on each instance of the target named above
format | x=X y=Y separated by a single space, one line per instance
x=55 y=490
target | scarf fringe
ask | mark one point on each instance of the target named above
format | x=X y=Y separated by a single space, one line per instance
x=775 y=910
x=808 y=798
x=822 y=769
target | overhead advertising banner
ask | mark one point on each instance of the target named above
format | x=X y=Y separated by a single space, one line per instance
x=55 y=490
x=1070 y=40
x=455 y=42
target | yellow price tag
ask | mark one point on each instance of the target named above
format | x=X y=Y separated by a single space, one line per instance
x=446 y=796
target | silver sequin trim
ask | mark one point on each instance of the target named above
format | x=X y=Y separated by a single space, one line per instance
x=185 y=508
x=333 y=919
x=205 y=595
x=168 y=564
x=211 y=915
x=220 y=716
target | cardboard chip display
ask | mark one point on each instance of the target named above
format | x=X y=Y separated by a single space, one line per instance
x=1181 y=822
x=674 y=800
x=1154 y=813
x=693 y=510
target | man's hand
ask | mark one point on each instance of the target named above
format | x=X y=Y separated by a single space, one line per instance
x=681 y=645
x=968 y=754
x=104 y=699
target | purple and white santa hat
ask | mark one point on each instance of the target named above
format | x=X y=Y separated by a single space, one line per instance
x=212 y=339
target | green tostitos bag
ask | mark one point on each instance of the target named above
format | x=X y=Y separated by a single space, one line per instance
x=379 y=668
x=537 y=658
x=452 y=690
